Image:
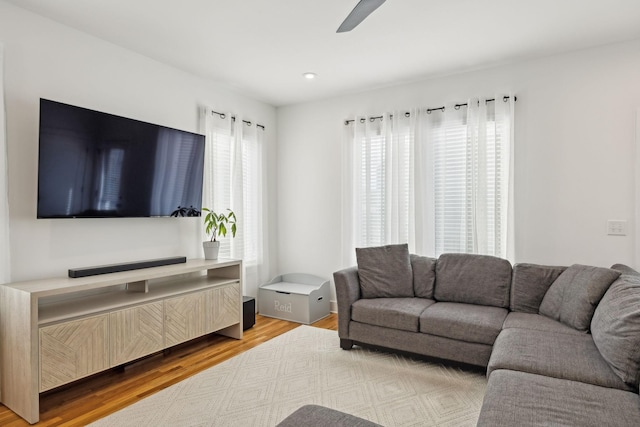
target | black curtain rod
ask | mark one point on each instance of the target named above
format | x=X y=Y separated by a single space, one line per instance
x=429 y=110
x=246 y=122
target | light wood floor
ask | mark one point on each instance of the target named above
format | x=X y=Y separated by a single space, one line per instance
x=90 y=399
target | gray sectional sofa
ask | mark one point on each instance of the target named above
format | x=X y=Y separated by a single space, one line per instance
x=561 y=344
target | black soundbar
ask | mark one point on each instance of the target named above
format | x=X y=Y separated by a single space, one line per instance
x=115 y=268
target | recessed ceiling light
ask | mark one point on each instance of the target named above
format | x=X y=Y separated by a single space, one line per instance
x=310 y=76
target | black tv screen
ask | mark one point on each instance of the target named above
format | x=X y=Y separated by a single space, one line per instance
x=98 y=165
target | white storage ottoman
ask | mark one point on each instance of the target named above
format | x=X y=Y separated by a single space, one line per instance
x=298 y=297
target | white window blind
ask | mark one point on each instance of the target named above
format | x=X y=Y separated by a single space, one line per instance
x=452 y=213
x=467 y=184
x=372 y=201
x=222 y=161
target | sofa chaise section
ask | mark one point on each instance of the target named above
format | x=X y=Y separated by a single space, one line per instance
x=549 y=370
x=523 y=399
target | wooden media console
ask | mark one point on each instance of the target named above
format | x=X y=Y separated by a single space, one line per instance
x=56 y=331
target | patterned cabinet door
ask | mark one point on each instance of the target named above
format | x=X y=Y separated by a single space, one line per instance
x=223 y=307
x=184 y=318
x=135 y=332
x=72 y=350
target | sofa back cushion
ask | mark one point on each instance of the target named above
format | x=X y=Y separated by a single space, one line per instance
x=529 y=284
x=473 y=279
x=573 y=296
x=615 y=328
x=625 y=269
x=424 y=275
x=385 y=271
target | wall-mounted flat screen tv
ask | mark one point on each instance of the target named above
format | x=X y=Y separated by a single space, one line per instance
x=98 y=165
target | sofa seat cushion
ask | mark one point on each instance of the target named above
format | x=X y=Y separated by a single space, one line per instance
x=573 y=296
x=423 y=344
x=385 y=271
x=536 y=322
x=473 y=279
x=395 y=313
x=523 y=399
x=616 y=328
x=566 y=356
x=464 y=322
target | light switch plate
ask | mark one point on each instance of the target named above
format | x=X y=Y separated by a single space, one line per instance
x=616 y=227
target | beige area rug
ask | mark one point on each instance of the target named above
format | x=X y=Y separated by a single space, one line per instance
x=306 y=365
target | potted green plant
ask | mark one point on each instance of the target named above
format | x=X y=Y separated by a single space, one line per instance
x=216 y=225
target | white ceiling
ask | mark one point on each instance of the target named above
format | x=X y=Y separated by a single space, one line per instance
x=261 y=47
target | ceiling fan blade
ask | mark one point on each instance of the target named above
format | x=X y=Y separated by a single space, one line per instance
x=363 y=9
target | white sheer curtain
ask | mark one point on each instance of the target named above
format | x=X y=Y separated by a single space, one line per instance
x=235 y=178
x=379 y=186
x=440 y=181
x=5 y=261
x=505 y=137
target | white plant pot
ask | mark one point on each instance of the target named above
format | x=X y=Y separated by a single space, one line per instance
x=211 y=249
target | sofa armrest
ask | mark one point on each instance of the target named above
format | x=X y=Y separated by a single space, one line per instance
x=347 y=284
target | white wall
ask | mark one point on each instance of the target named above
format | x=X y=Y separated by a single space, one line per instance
x=49 y=60
x=575 y=150
x=575 y=127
